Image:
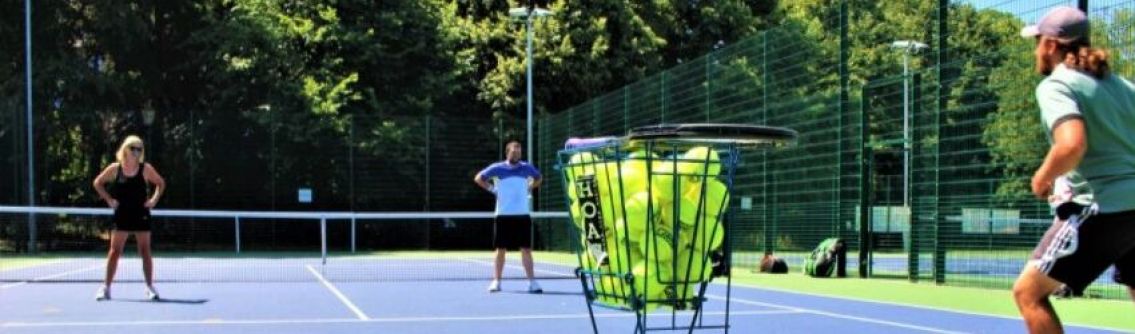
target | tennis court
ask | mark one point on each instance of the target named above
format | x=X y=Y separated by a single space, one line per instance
x=427 y=307
x=307 y=301
x=312 y=289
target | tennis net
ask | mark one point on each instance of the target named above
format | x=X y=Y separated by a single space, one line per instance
x=57 y=244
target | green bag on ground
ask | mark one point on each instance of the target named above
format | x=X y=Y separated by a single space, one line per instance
x=822 y=261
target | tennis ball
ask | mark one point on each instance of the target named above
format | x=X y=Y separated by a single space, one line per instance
x=700 y=161
x=715 y=201
x=716 y=195
x=711 y=236
x=690 y=211
x=684 y=294
x=622 y=255
x=660 y=248
x=707 y=234
x=633 y=172
x=581 y=164
x=693 y=266
x=641 y=213
x=662 y=180
x=647 y=286
x=612 y=291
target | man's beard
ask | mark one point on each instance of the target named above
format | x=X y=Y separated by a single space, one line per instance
x=1045 y=68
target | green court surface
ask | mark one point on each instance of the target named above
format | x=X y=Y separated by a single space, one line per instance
x=16 y=263
x=1087 y=312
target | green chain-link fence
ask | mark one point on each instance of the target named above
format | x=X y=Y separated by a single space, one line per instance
x=924 y=173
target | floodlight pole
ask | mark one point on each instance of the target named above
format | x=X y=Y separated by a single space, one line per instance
x=908 y=47
x=28 y=115
x=529 y=13
x=528 y=59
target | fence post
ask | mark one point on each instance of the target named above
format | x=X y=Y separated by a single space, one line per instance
x=942 y=103
x=864 y=188
x=844 y=99
x=237 y=227
x=915 y=211
x=323 y=239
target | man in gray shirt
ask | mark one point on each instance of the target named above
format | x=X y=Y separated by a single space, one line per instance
x=1089 y=114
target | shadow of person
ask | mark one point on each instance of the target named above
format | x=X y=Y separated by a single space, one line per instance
x=161 y=300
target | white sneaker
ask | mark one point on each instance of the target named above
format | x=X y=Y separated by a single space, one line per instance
x=534 y=287
x=102 y=294
x=151 y=294
x=495 y=286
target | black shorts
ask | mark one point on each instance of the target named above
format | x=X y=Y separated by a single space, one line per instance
x=1102 y=240
x=131 y=219
x=512 y=232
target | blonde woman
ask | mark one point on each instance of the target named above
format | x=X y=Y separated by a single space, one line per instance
x=131 y=177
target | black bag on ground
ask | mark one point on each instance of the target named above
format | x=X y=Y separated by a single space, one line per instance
x=773 y=265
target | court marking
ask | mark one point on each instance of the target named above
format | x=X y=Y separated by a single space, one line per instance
x=342 y=298
x=371 y=320
x=72 y=272
x=838 y=316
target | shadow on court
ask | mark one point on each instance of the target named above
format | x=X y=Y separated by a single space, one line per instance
x=159 y=301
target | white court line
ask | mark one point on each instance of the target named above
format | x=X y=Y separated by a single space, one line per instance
x=534 y=269
x=836 y=315
x=211 y=322
x=76 y=271
x=343 y=298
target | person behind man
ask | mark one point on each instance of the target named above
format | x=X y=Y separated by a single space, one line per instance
x=1090 y=117
x=512 y=181
x=130 y=175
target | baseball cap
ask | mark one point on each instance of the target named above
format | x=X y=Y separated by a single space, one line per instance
x=1063 y=23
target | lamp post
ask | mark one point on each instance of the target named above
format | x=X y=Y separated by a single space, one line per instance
x=30 y=122
x=907 y=47
x=528 y=14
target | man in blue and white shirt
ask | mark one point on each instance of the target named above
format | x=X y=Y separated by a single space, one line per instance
x=512 y=181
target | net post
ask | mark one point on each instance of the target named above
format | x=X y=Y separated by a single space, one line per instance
x=236 y=227
x=352 y=234
x=323 y=239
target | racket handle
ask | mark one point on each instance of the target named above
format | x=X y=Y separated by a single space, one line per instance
x=588 y=142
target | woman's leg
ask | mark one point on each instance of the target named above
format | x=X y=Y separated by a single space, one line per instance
x=143 y=239
x=117 y=242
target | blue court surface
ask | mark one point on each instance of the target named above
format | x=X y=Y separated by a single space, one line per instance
x=319 y=304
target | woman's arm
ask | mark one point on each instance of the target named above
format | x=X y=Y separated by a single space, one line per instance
x=152 y=176
x=100 y=182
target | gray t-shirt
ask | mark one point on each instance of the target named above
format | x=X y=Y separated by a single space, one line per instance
x=1107 y=107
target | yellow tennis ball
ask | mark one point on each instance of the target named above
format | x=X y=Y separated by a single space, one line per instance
x=622 y=255
x=642 y=212
x=690 y=211
x=711 y=236
x=700 y=161
x=713 y=204
x=612 y=291
x=662 y=178
x=580 y=164
x=660 y=247
x=707 y=234
x=716 y=195
x=684 y=293
x=648 y=287
x=693 y=266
